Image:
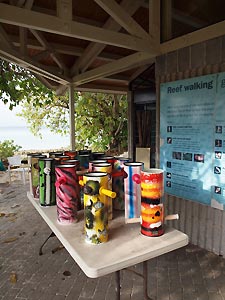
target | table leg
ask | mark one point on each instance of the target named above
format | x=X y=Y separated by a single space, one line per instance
x=51 y=235
x=117 y=273
x=145 y=280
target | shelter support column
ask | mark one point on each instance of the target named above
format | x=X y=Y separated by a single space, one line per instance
x=130 y=125
x=72 y=117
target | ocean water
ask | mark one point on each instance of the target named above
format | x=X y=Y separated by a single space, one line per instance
x=24 y=138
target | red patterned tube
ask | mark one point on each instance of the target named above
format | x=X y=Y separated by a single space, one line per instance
x=67 y=193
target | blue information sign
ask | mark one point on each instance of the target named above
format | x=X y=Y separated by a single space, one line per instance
x=192 y=138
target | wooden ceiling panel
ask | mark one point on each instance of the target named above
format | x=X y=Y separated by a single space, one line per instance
x=96 y=42
x=94 y=11
x=142 y=17
x=65 y=40
x=45 y=6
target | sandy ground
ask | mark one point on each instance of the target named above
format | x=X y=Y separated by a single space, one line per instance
x=4 y=177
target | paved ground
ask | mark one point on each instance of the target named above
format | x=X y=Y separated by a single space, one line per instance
x=189 y=273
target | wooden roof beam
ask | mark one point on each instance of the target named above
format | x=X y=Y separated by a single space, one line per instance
x=184 y=18
x=64 y=49
x=34 y=44
x=45 y=81
x=5 y=38
x=99 y=88
x=118 y=66
x=29 y=4
x=166 y=20
x=94 y=49
x=195 y=37
x=55 y=56
x=121 y=16
x=154 y=21
x=14 y=56
x=138 y=72
x=23 y=40
x=65 y=10
x=22 y=17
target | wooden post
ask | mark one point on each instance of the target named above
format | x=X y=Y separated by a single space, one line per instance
x=72 y=117
x=130 y=125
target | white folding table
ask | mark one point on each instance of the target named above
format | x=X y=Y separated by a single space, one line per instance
x=126 y=245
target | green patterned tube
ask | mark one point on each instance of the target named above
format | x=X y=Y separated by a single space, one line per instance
x=47 y=195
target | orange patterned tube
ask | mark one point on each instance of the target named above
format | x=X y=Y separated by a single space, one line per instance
x=152 y=210
x=152 y=183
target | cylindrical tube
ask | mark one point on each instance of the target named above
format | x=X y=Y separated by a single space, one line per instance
x=66 y=193
x=97 y=155
x=132 y=189
x=35 y=174
x=47 y=196
x=72 y=162
x=110 y=159
x=55 y=154
x=118 y=182
x=60 y=158
x=106 y=167
x=84 y=152
x=71 y=153
x=78 y=189
x=152 y=209
x=84 y=161
x=29 y=156
x=95 y=208
x=97 y=161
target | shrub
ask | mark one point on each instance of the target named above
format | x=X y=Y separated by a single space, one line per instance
x=8 y=148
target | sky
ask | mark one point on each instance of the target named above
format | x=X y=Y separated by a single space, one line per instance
x=22 y=136
x=8 y=117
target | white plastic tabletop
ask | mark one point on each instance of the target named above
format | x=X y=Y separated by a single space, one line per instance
x=126 y=245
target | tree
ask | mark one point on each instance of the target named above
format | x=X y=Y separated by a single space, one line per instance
x=52 y=114
x=18 y=85
x=7 y=149
x=100 y=119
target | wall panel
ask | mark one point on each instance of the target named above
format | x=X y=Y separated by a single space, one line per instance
x=204 y=225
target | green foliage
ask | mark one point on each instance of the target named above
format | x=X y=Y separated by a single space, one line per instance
x=53 y=115
x=18 y=85
x=8 y=148
x=100 y=119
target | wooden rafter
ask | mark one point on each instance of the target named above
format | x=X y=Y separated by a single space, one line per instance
x=195 y=37
x=123 y=64
x=59 y=21
x=23 y=41
x=167 y=20
x=94 y=49
x=13 y=55
x=64 y=10
x=64 y=49
x=5 y=38
x=30 y=19
x=29 y=4
x=138 y=72
x=93 y=87
x=123 y=18
x=45 y=81
x=55 y=56
x=154 y=21
x=187 y=19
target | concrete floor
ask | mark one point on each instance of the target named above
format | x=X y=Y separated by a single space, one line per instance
x=189 y=273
